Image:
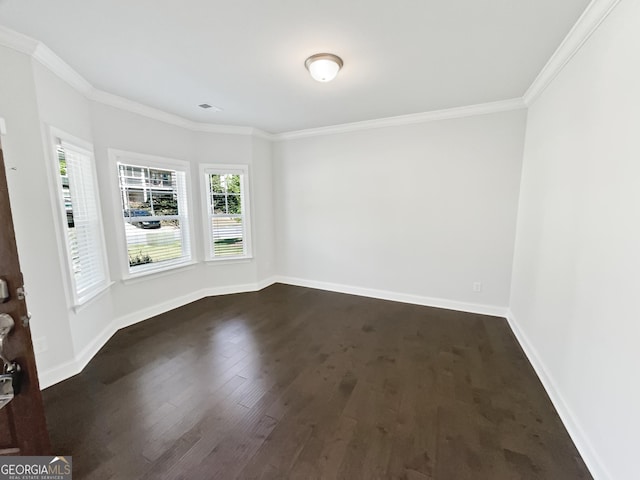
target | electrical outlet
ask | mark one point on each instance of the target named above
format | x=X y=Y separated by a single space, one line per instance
x=40 y=345
x=477 y=287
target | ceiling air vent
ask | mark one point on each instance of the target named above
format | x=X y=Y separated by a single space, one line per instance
x=206 y=106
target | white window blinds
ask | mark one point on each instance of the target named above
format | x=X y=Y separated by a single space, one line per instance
x=227 y=210
x=83 y=224
x=155 y=216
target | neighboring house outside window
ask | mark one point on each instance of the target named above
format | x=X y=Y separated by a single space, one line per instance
x=154 y=212
x=227 y=221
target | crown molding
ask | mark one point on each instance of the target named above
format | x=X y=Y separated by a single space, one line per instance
x=411 y=119
x=62 y=69
x=587 y=24
x=122 y=103
x=43 y=54
x=40 y=52
x=50 y=60
x=230 y=129
x=17 y=41
x=264 y=135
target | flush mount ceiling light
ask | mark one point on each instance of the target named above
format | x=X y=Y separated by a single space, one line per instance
x=323 y=67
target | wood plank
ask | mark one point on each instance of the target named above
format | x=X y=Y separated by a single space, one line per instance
x=297 y=383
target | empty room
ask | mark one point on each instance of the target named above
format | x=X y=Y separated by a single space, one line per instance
x=307 y=239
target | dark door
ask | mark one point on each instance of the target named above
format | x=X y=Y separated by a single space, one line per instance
x=23 y=429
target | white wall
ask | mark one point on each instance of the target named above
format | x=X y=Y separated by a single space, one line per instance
x=238 y=149
x=115 y=128
x=264 y=215
x=33 y=216
x=419 y=212
x=64 y=108
x=575 y=276
x=474 y=157
x=424 y=210
x=33 y=99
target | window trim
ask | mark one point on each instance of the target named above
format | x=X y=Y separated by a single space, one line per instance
x=74 y=301
x=155 y=161
x=222 y=168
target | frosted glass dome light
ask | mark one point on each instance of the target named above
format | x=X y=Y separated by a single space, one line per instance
x=323 y=67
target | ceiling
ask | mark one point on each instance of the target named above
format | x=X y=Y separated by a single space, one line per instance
x=247 y=56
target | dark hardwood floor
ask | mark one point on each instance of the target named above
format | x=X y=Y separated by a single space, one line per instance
x=294 y=383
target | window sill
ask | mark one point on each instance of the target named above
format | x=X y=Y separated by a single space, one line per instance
x=228 y=261
x=169 y=270
x=78 y=307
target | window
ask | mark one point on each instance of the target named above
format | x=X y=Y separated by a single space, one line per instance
x=154 y=211
x=226 y=211
x=81 y=220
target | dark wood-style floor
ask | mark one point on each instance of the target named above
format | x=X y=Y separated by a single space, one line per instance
x=294 y=383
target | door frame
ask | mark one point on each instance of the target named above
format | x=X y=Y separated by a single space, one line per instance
x=24 y=416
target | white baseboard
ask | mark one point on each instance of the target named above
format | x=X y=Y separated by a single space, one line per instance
x=398 y=297
x=577 y=434
x=51 y=376
x=56 y=374
x=267 y=282
x=146 y=313
x=159 y=308
x=61 y=372
x=87 y=353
